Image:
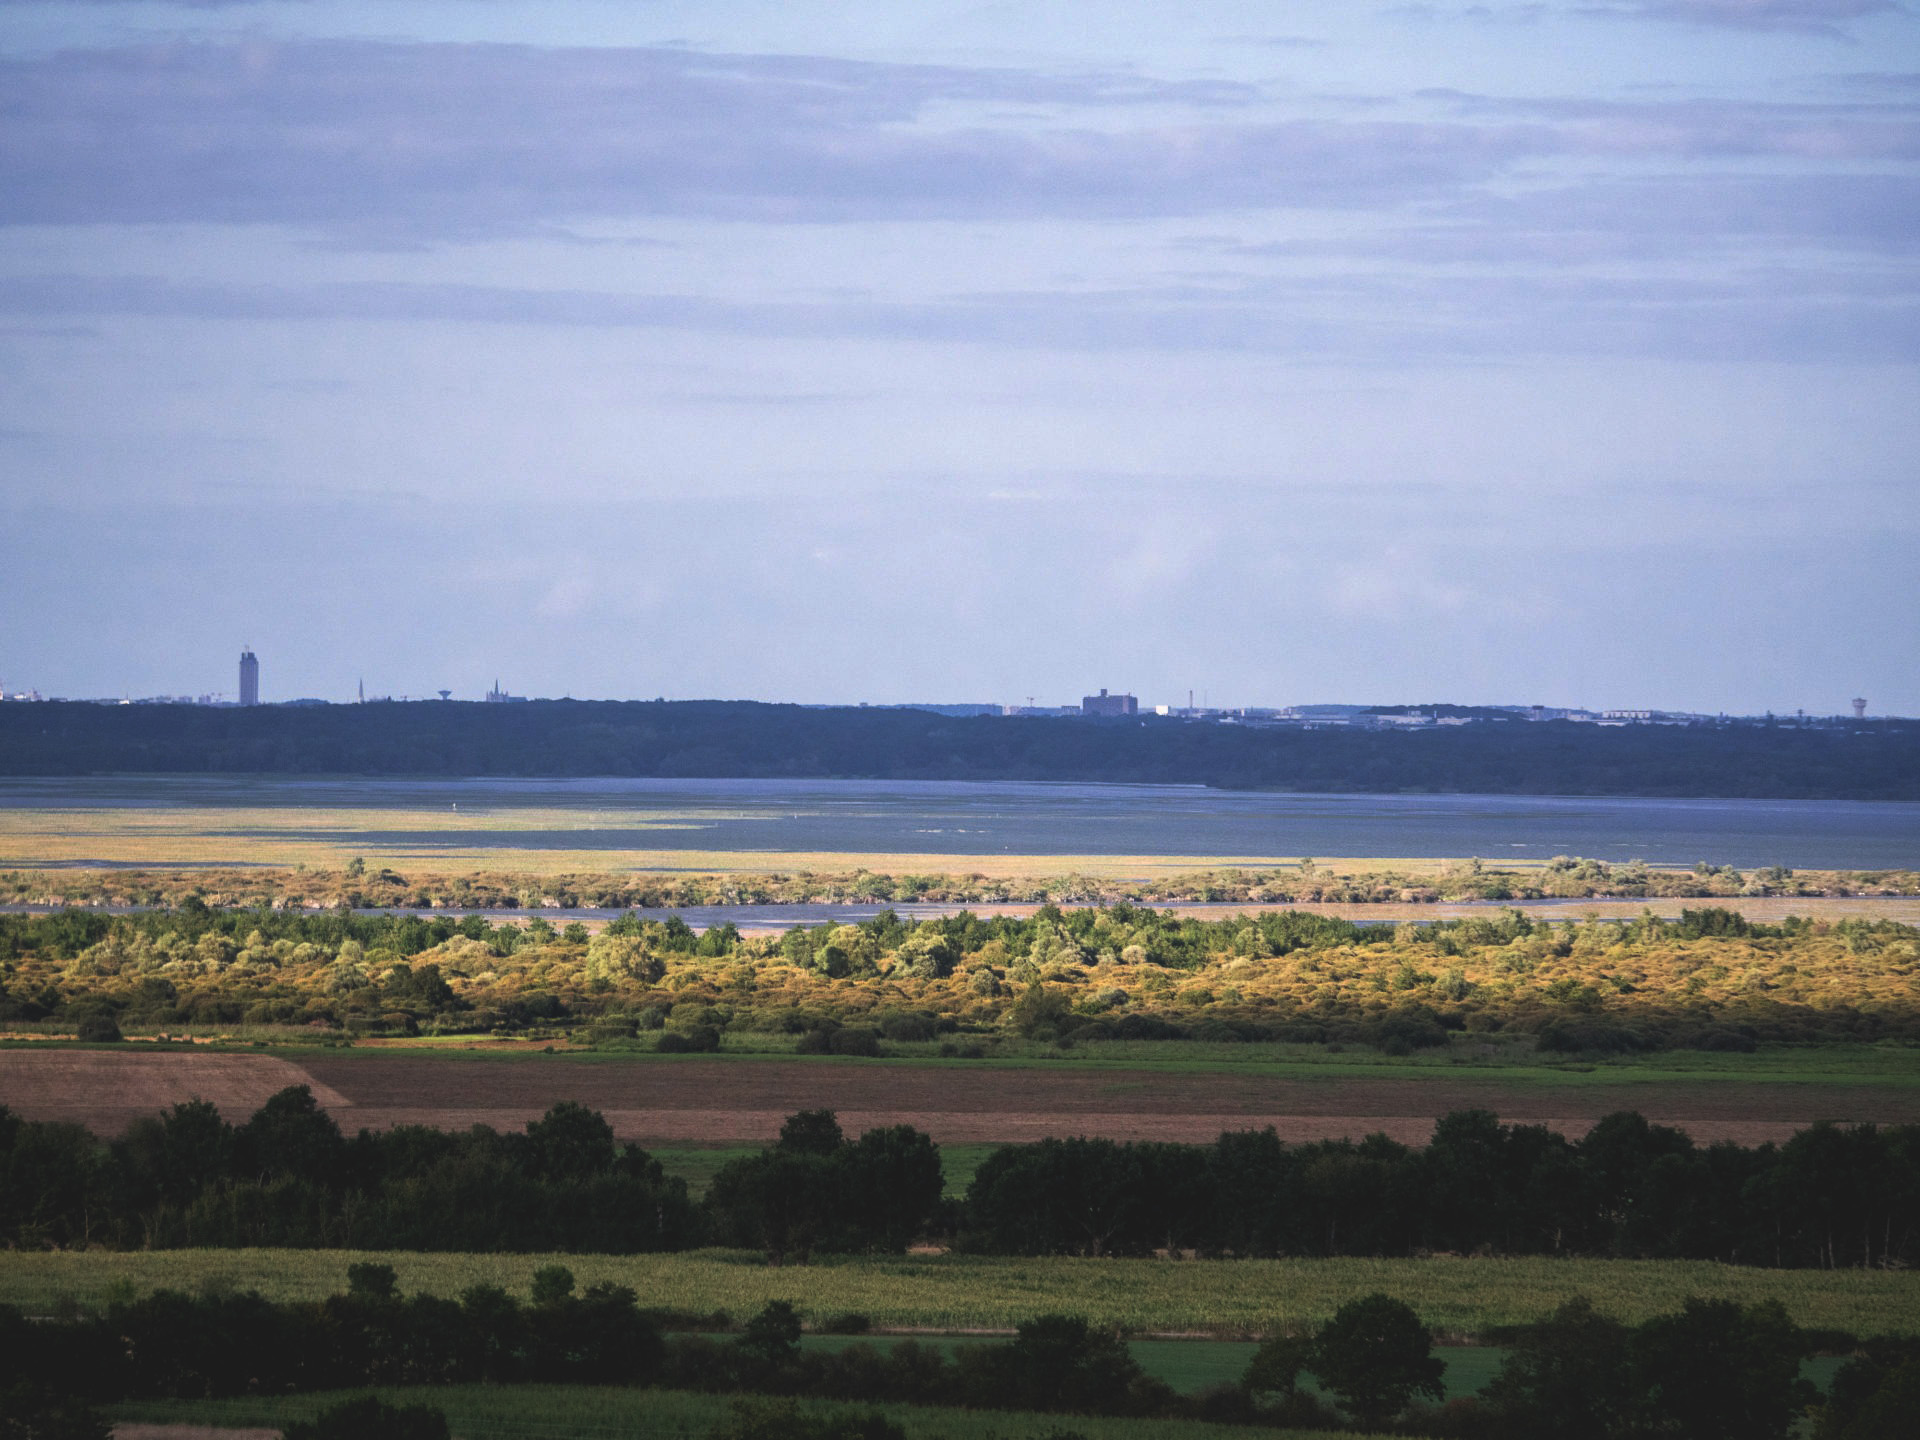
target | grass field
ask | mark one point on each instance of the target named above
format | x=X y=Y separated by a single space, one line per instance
x=951 y=1293
x=550 y=1412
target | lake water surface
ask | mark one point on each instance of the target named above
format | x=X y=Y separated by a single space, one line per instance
x=958 y=818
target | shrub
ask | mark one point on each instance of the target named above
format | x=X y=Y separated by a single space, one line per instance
x=854 y=1040
x=694 y=1040
x=100 y=1029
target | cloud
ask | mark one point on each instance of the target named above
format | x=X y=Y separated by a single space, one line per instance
x=1813 y=16
x=376 y=143
x=1779 y=311
x=461 y=139
x=1708 y=129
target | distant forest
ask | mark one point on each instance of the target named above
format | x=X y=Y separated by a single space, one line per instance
x=743 y=739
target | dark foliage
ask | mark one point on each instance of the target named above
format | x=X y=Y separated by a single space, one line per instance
x=1877 y=761
x=1827 y=1197
x=1711 y=1370
x=816 y=1190
x=288 y=1177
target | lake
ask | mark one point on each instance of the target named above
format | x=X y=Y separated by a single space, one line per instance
x=870 y=817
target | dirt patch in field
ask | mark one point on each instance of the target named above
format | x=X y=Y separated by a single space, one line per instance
x=128 y=1430
x=711 y=1127
x=106 y=1089
x=718 y=1101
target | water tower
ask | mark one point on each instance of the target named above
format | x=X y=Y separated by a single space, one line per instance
x=1859 y=708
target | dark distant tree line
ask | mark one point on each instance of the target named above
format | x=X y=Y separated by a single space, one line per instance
x=288 y=1177
x=1714 y=1370
x=1877 y=761
x=1829 y=1197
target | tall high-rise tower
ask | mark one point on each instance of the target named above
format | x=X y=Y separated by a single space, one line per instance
x=249 y=678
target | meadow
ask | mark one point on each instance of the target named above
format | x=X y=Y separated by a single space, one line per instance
x=537 y=1412
x=1459 y=1298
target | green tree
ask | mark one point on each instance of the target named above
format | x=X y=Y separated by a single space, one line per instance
x=1374 y=1356
x=773 y=1335
x=552 y=1284
x=1568 y=1377
x=1721 y=1371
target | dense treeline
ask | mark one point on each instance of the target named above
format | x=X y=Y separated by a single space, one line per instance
x=288 y=1177
x=1710 y=979
x=1829 y=1197
x=1712 y=1371
x=710 y=739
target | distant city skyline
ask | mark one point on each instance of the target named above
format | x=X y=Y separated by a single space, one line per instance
x=1501 y=352
x=1119 y=703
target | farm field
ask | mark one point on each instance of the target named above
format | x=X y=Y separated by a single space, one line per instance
x=1458 y=1297
x=687 y=1103
x=535 y=1412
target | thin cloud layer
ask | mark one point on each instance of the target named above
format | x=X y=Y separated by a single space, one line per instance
x=1814 y=16
x=462 y=139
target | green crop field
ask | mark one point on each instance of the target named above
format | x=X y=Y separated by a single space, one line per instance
x=537 y=1412
x=1457 y=1297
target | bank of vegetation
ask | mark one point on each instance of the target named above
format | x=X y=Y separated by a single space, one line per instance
x=1709 y=1370
x=358 y=886
x=965 y=983
x=1828 y=1198
x=1879 y=760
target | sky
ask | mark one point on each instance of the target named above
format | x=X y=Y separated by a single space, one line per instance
x=1558 y=353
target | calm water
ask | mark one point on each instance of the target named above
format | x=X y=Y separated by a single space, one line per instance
x=957 y=818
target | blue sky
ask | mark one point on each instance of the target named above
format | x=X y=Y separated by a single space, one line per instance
x=1508 y=352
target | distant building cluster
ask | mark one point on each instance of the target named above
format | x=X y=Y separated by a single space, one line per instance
x=1105 y=704
x=1110 y=705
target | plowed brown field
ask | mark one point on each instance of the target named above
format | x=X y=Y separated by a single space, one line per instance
x=701 y=1101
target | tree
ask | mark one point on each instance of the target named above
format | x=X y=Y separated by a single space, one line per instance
x=570 y=1142
x=372 y=1283
x=1059 y=1362
x=292 y=1136
x=811 y=1132
x=773 y=1335
x=1720 y=1371
x=552 y=1284
x=1568 y=1377
x=1873 y=1398
x=890 y=1183
x=1276 y=1365
x=1374 y=1355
